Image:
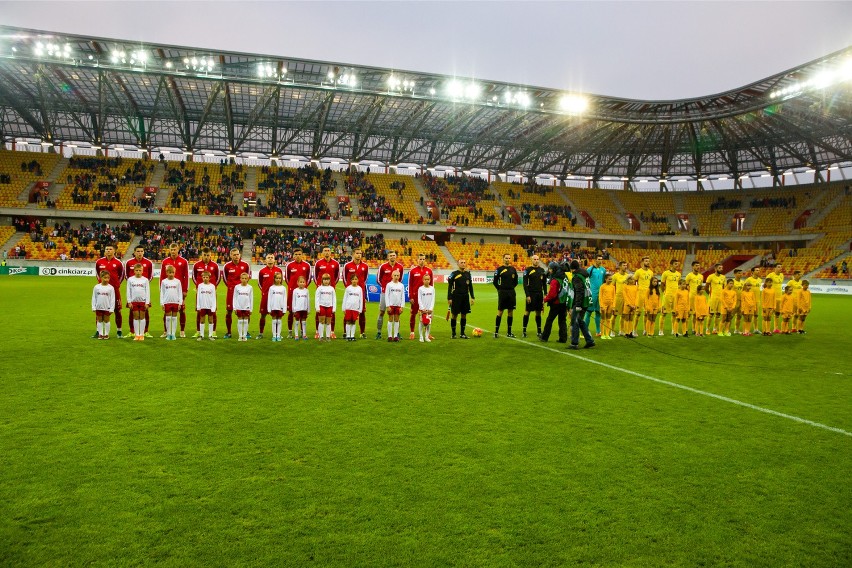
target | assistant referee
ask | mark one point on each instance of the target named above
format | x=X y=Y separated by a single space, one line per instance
x=505 y=280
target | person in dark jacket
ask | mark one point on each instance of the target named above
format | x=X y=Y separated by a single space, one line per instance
x=578 y=309
x=556 y=309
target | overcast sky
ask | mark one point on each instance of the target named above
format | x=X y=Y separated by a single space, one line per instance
x=644 y=50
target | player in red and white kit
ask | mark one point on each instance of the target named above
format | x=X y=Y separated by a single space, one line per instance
x=108 y=262
x=384 y=276
x=265 y=279
x=147 y=271
x=182 y=274
x=327 y=265
x=415 y=280
x=295 y=269
x=359 y=268
x=206 y=264
x=231 y=273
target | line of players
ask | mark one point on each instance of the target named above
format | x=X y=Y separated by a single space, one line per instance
x=744 y=304
x=276 y=298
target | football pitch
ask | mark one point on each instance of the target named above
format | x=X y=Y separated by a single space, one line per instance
x=650 y=452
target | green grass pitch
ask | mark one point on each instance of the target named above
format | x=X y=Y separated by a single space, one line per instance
x=456 y=453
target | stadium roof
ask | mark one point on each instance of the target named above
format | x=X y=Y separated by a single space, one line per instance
x=59 y=87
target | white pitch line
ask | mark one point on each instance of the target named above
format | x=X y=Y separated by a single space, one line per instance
x=684 y=387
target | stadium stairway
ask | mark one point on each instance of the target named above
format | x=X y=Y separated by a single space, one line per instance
x=11 y=242
x=248 y=249
x=132 y=245
x=815 y=219
x=163 y=194
x=24 y=196
x=447 y=254
x=424 y=195
x=564 y=196
x=746 y=266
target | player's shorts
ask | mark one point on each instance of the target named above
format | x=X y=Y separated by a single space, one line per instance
x=325 y=311
x=300 y=316
x=229 y=299
x=536 y=303
x=681 y=314
x=138 y=306
x=619 y=304
x=607 y=305
x=803 y=311
x=277 y=314
x=264 y=301
x=103 y=313
x=506 y=299
x=382 y=305
x=641 y=296
x=204 y=312
x=171 y=307
x=748 y=311
x=715 y=305
x=461 y=305
x=668 y=303
x=243 y=314
x=594 y=304
x=787 y=314
x=351 y=315
x=394 y=310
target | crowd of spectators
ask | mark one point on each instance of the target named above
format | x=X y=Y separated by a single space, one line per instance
x=840 y=268
x=561 y=251
x=785 y=202
x=656 y=218
x=282 y=242
x=299 y=193
x=549 y=214
x=156 y=239
x=205 y=199
x=530 y=187
x=455 y=191
x=94 y=236
x=31 y=167
x=100 y=177
x=372 y=207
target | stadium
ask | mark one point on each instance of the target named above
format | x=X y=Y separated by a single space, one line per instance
x=496 y=451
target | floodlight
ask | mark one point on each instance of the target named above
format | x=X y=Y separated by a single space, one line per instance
x=574 y=104
x=472 y=91
x=14 y=49
x=432 y=91
x=168 y=64
x=455 y=89
x=331 y=74
x=114 y=57
x=141 y=56
x=91 y=57
x=522 y=99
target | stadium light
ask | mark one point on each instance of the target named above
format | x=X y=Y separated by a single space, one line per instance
x=472 y=91
x=574 y=104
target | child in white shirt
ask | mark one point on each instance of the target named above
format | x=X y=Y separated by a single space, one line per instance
x=205 y=306
x=395 y=301
x=171 y=298
x=138 y=300
x=103 y=304
x=326 y=304
x=243 y=304
x=276 y=304
x=353 y=305
x=426 y=303
x=301 y=307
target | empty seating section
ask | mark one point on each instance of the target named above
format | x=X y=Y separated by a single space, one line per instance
x=660 y=259
x=157 y=238
x=540 y=207
x=709 y=223
x=655 y=211
x=6 y=233
x=804 y=259
x=103 y=184
x=202 y=188
x=18 y=170
x=83 y=243
x=709 y=258
x=600 y=206
x=488 y=256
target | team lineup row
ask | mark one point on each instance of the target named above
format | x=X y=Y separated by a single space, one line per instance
x=622 y=296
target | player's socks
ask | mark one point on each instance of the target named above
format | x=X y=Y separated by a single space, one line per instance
x=263 y=324
x=526 y=322
x=428 y=332
x=396 y=328
x=331 y=325
x=100 y=328
x=119 y=320
x=379 y=322
x=106 y=328
x=497 y=325
x=215 y=320
x=453 y=326
x=538 y=322
x=304 y=328
x=198 y=322
x=362 y=322
x=147 y=321
x=229 y=319
x=463 y=325
x=211 y=329
x=509 y=324
x=390 y=329
x=182 y=320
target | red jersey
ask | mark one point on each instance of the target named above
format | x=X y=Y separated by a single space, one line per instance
x=294 y=270
x=181 y=270
x=360 y=270
x=266 y=277
x=231 y=272
x=330 y=267
x=115 y=268
x=415 y=280
x=385 y=271
x=201 y=267
x=147 y=267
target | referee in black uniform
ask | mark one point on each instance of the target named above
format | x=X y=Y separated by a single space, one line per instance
x=505 y=280
x=460 y=296
x=535 y=288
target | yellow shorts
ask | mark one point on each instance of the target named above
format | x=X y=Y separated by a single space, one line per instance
x=668 y=303
x=619 y=303
x=640 y=300
x=715 y=304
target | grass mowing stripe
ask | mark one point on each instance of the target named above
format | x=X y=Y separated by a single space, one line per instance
x=684 y=387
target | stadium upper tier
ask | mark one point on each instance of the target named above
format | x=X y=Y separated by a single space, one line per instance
x=62 y=87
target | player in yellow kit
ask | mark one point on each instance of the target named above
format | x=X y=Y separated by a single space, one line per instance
x=693 y=279
x=777 y=279
x=756 y=283
x=643 y=276
x=715 y=284
x=669 y=280
x=738 y=288
x=620 y=280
